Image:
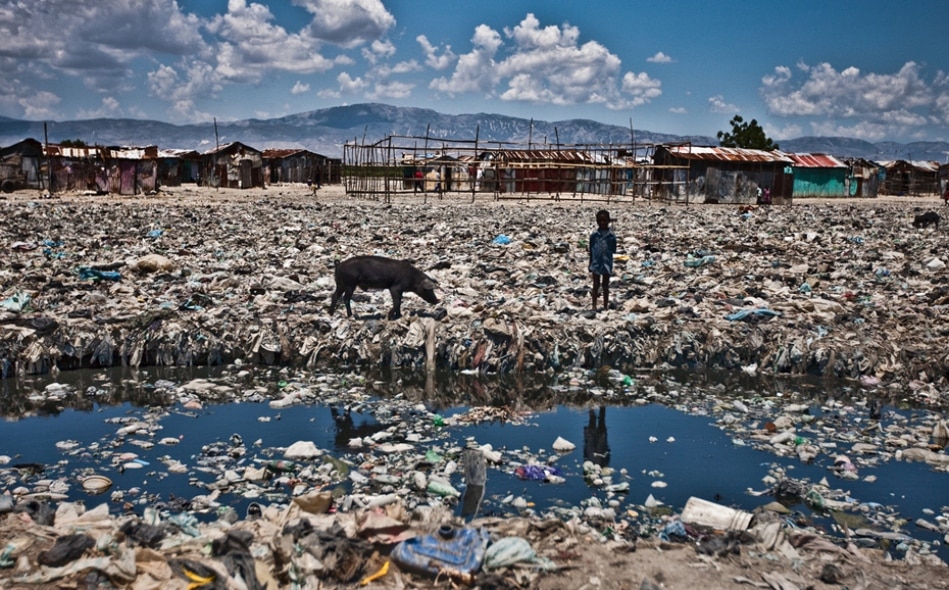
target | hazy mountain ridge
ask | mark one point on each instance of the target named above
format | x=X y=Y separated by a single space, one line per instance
x=326 y=130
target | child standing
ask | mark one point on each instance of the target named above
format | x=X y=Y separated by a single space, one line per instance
x=602 y=247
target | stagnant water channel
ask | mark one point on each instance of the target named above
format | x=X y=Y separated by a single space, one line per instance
x=668 y=437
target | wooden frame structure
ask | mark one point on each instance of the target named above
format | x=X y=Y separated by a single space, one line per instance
x=407 y=165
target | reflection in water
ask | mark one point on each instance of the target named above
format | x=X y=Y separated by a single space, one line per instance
x=475 y=469
x=595 y=446
x=440 y=389
x=346 y=429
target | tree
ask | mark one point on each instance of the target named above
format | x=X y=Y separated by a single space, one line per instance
x=746 y=135
x=73 y=143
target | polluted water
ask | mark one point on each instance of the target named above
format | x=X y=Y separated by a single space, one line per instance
x=594 y=446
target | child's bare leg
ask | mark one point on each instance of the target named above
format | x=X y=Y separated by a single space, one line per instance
x=596 y=289
x=606 y=291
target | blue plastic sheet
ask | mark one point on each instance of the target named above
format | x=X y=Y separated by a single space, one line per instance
x=502 y=239
x=99 y=275
x=745 y=314
x=454 y=551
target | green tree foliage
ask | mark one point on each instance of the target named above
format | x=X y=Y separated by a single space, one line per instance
x=73 y=143
x=746 y=135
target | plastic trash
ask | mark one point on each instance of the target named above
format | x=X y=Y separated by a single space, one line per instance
x=457 y=553
x=717 y=516
x=67 y=549
x=508 y=551
x=502 y=239
x=442 y=488
x=536 y=472
x=697 y=262
x=16 y=302
x=98 y=275
x=758 y=312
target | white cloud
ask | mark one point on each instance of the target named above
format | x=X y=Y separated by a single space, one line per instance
x=378 y=50
x=181 y=93
x=475 y=71
x=432 y=57
x=109 y=107
x=384 y=90
x=660 y=58
x=347 y=23
x=861 y=130
x=641 y=87
x=678 y=110
x=40 y=105
x=96 y=42
x=300 y=88
x=883 y=103
x=717 y=104
x=102 y=43
x=544 y=64
x=251 y=45
x=348 y=84
x=787 y=132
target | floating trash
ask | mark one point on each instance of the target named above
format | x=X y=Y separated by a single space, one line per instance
x=96 y=484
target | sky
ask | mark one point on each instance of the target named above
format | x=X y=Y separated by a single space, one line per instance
x=870 y=70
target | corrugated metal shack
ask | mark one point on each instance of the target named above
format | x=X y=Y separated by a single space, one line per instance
x=943 y=179
x=819 y=175
x=865 y=177
x=117 y=170
x=233 y=165
x=21 y=165
x=178 y=166
x=722 y=175
x=904 y=177
x=558 y=171
x=299 y=165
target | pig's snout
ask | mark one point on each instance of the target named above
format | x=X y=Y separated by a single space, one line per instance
x=427 y=291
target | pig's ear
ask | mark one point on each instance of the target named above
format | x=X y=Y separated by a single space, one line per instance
x=429 y=283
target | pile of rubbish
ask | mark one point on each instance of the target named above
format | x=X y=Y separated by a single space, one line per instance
x=304 y=545
x=813 y=289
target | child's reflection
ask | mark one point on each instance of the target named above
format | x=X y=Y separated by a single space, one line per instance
x=595 y=446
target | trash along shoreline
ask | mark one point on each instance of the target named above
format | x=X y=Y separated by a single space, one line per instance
x=198 y=277
x=398 y=527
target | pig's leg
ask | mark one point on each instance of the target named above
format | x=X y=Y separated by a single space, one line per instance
x=347 y=297
x=335 y=299
x=396 y=311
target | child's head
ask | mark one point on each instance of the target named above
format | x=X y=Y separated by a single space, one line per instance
x=602 y=218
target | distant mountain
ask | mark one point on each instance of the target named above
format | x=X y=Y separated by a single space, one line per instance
x=326 y=130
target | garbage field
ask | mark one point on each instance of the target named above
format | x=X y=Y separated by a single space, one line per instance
x=826 y=317
x=199 y=277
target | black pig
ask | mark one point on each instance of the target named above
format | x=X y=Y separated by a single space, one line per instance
x=377 y=272
x=926 y=219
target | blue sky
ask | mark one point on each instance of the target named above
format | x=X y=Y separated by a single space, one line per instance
x=871 y=70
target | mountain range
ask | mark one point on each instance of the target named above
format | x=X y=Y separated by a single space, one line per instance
x=325 y=131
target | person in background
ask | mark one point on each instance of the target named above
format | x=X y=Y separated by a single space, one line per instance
x=602 y=247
